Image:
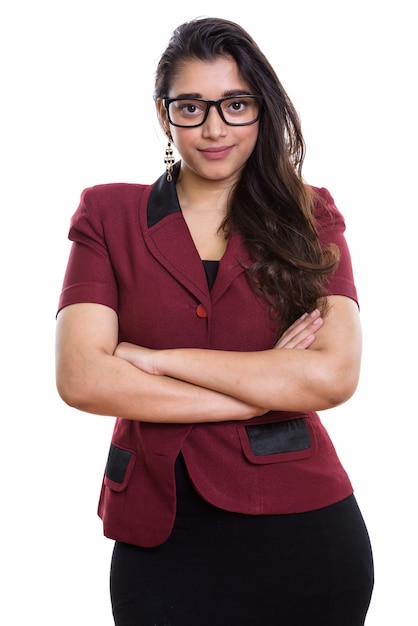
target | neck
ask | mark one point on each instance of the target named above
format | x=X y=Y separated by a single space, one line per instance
x=202 y=194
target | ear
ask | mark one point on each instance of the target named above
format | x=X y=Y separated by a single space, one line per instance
x=162 y=115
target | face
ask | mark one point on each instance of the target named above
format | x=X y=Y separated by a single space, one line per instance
x=215 y=150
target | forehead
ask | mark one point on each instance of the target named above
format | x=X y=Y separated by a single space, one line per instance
x=208 y=79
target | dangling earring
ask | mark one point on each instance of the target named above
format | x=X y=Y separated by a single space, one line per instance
x=169 y=158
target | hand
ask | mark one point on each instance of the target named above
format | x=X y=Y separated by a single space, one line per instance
x=142 y=358
x=301 y=334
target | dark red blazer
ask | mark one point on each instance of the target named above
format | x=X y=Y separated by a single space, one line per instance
x=133 y=252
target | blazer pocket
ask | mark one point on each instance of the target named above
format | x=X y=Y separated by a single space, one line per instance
x=277 y=442
x=119 y=466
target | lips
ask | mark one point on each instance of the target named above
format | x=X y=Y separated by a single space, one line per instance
x=217 y=152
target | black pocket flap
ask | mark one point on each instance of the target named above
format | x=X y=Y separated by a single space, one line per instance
x=119 y=466
x=278 y=437
x=273 y=442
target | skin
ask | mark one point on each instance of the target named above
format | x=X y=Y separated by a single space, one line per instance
x=314 y=366
x=205 y=181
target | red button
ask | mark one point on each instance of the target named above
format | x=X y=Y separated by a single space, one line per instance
x=201 y=311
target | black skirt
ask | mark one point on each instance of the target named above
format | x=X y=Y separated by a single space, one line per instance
x=228 y=569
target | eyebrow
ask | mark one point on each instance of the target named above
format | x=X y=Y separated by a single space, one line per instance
x=226 y=94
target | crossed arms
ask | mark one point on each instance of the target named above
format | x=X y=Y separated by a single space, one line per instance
x=314 y=366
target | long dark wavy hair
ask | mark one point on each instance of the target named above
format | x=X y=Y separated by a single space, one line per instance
x=270 y=206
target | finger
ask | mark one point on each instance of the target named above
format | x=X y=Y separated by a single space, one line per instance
x=303 y=343
x=303 y=339
x=303 y=322
x=300 y=330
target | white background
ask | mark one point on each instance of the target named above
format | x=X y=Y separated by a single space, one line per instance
x=76 y=110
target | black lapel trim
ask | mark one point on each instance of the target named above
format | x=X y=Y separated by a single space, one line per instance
x=163 y=199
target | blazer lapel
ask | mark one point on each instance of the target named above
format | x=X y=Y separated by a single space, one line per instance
x=168 y=239
x=233 y=263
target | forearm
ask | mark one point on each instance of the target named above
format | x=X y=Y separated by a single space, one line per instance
x=92 y=378
x=313 y=379
x=285 y=380
x=112 y=386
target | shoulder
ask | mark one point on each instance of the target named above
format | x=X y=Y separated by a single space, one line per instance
x=110 y=205
x=110 y=192
x=112 y=199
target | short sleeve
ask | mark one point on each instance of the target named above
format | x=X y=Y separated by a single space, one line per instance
x=89 y=276
x=331 y=227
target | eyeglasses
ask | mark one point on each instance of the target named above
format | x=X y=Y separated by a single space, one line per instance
x=192 y=112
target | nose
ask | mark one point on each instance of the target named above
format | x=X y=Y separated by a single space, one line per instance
x=214 y=126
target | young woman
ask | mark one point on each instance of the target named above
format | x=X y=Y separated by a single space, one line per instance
x=214 y=312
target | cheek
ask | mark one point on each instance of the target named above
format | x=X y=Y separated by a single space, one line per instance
x=251 y=138
x=181 y=140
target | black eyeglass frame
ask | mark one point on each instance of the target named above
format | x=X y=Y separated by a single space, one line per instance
x=209 y=104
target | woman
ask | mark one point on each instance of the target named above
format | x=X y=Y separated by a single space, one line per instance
x=214 y=312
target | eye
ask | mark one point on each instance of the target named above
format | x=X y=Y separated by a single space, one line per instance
x=189 y=108
x=237 y=105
